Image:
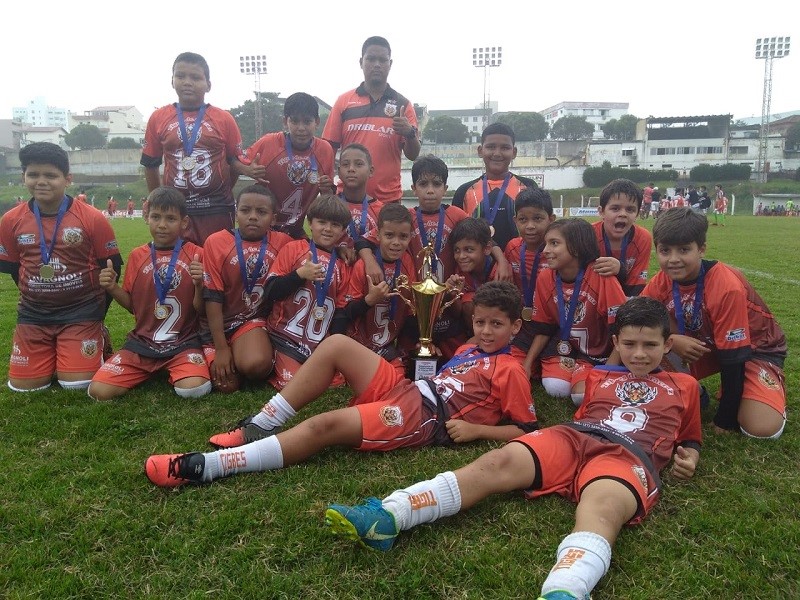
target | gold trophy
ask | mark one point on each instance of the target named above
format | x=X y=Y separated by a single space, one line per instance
x=426 y=301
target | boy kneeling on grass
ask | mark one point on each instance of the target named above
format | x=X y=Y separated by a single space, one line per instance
x=633 y=420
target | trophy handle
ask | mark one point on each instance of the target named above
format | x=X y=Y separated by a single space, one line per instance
x=401 y=283
x=458 y=291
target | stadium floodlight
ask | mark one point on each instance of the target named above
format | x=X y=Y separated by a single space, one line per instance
x=485 y=58
x=768 y=49
x=255 y=65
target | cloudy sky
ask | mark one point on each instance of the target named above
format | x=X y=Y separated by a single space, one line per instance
x=673 y=58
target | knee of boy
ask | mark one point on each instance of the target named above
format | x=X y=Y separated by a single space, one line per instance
x=194 y=392
x=577 y=399
x=558 y=388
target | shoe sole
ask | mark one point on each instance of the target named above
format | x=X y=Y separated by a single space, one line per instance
x=341 y=527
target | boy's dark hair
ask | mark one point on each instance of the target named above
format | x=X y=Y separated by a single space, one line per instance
x=498 y=129
x=470 y=228
x=193 y=59
x=259 y=189
x=394 y=212
x=361 y=148
x=579 y=237
x=301 y=104
x=375 y=40
x=428 y=165
x=164 y=198
x=329 y=208
x=536 y=198
x=679 y=226
x=44 y=153
x=641 y=311
x=624 y=187
x=500 y=294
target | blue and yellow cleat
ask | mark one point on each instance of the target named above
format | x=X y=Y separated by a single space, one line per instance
x=561 y=595
x=368 y=523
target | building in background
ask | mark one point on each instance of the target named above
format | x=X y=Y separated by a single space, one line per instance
x=38 y=114
x=113 y=121
x=596 y=113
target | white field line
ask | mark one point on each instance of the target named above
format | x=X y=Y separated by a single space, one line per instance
x=764 y=275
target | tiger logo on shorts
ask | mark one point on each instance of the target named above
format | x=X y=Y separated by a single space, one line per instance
x=635 y=392
x=391 y=416
x=642 y=475
x=297 y=172
x=89 y=348
x=195 y=358
x=767 y=380
x=72 y=236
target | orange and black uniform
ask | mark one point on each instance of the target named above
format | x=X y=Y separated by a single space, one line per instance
x=633 y=273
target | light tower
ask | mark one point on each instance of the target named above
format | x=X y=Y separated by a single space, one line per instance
x=486 y=58
x=767 y=49
x=255 y=65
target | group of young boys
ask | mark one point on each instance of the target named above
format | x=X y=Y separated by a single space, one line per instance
x=305 y=308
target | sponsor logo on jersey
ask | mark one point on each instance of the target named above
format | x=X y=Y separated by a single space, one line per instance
x=643 y=275
x=612 y=310
x=391 y=416
x=3 y=250
x=195 y=358
x=72 y=236
x=629 y=262
x=460 y=370
x=116 y=359
x=26 y=239
x=642 y=475
x=370 y=127
x=736 y=335
x=635 y=392
x=112 y=245
x=767 y=380
x=89 y=348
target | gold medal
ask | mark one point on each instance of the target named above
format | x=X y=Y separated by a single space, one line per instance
x=318 y=313
x=47 y=272
x=527 y=313
x=563 y=348
x=313 y=177
x=162 y=311
x=188 y=163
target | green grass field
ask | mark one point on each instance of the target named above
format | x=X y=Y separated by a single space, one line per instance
x=80 y=520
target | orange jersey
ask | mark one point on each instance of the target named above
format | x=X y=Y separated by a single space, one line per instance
x=487 y=390
x=633 y=273
x=513 y=254
x=175 y=328
x=595 y=311
x=292 y=318
x=222 y=279
x=292 y=181
x=378 y=328
x=650 y=415
x=734 y=321
x=207 y=185
x=356 y=118
x=452 y=216
x=360 y=223
x=469 y=198
x=84 y=241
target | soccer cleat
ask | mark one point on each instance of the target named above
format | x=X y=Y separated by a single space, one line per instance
x=173 y=470
x=245 y=432
x=369 y=524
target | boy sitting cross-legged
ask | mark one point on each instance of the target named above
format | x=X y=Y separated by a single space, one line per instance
x=633 y=421
x=482 y=393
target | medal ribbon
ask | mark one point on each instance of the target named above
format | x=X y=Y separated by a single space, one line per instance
x=565 y=318
x=188 y=143
x=528 y=285
x=250 y=281
x=623 y=249
x=322 y=288
x=62 y=210
x=491 y=211
x=290 y=154
x=423 y=235
x=698 y=302
x=393 y=299
x=467 y=356
x=357 y=234
x=162 y=287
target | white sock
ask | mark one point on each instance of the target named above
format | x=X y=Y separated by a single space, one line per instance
x=558 y=388
x=38 y=389
x=262 y=455
x=583 y=559
x=425 y=501
x=274 y=413
x=577 y=399
x=195 y=392
x=75 y=385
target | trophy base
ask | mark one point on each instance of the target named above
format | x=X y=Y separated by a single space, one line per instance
x=422 y=367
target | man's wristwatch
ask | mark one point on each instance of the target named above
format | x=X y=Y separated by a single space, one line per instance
x=413 y=134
